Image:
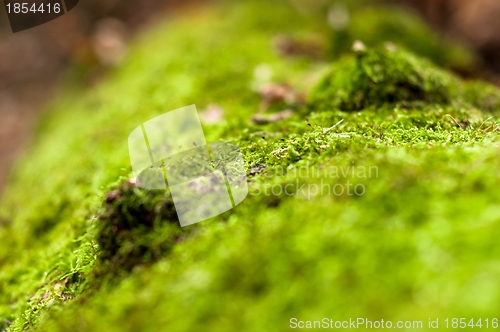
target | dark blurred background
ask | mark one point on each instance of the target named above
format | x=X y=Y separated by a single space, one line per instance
x=93 y=37
x=476 y=22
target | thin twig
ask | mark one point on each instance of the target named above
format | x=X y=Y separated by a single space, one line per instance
x=484 y=123
x=335 y=125
x=455 y=120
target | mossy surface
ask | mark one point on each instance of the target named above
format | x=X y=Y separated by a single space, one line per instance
x=84 y=249
x=387 y=76
x=376 y=77
x=376 y=25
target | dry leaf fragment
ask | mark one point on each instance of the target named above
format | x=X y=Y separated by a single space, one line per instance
x=213 y=114
x=264 y=119
x=272 y=93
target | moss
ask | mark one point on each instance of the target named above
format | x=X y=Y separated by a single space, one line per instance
x=388 y=76
x=380 y=76
x=376 y=25
x=483 y=96
x=138 y=226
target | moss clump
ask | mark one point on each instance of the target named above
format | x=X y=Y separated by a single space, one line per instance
x=377 y=25
x=138 y=226
x=484 y=96
x=388 y=76
x=379 y=76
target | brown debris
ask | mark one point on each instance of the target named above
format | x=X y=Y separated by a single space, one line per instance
x=257 y=170
x=213 y=114
x=109 y=41
x=261 y=119
x=112 y=196
x=292 y=47
x=272 y=93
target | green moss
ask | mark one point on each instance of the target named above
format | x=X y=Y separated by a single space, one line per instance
x=376 y=25
x=377 y=77
x=483 y=96
x=138 y=226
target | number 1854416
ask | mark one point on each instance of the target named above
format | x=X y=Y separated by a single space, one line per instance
x=25 y=8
